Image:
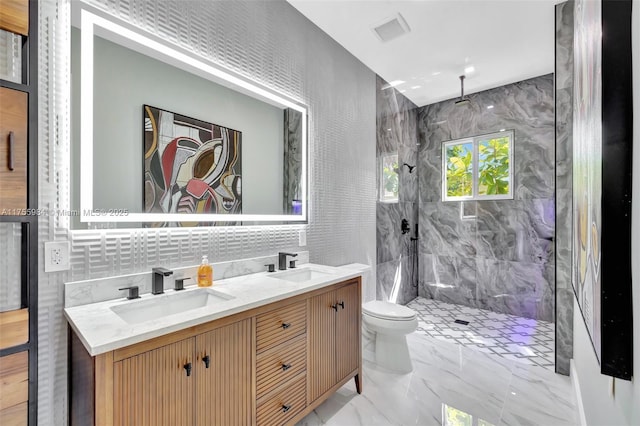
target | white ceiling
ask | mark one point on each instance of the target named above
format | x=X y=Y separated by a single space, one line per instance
x=504 y=40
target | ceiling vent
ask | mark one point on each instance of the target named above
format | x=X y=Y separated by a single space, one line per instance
x=391 y=28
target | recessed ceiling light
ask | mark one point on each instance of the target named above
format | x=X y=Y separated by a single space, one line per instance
x=502 y=130
x=490 y=107
x=393 y=83
x=416 y=87
x=469 y=69
x=435 y=73
x=402 y=91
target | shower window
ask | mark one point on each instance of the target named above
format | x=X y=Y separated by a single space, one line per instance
x=389 y=181
x=478 y=168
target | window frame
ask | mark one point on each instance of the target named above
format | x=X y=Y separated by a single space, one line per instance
x=381 y=193
x=475 y=140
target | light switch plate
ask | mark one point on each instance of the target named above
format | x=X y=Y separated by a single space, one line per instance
x=302 y=238
x=56 y=256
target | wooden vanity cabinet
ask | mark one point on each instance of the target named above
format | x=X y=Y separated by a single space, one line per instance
x=271 y=365
x=334 y=340
x=172 y=380
x=281 y=363
x=152 y=388
x=223 y=374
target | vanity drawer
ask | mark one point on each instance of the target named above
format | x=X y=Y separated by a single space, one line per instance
x=285 y=404
x=280 y=364
x=280 y=325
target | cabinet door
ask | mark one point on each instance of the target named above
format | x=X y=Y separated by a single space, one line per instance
x=155 y=387
x=347 y=330
x=322 y=345
x=13 y=151
x=224 y=376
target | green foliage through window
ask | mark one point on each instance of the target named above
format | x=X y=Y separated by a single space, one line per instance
x=493 y=166
x=389 y=178
x=478 y=167
x=459 y=170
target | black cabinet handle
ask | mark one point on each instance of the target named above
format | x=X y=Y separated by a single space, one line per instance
x=11 y=151
x=335 y=307
x=187 y=367
x=286 y=325
x=285 y=408
x=341 y=304
x=206 y=360
x=285 y=367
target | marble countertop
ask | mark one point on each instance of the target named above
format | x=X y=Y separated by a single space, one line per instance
x=102 y=330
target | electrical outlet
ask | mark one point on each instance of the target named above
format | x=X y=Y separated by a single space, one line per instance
x=56 y=256
x=302 y=238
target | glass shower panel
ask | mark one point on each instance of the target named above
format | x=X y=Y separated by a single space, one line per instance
x=10 y=266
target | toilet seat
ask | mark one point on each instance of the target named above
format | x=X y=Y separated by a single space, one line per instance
x=388 y=311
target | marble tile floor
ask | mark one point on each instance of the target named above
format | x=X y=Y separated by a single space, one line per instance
x=451 y=384
x=519 y=339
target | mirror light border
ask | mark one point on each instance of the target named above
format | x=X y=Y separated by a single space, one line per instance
x=91 y=22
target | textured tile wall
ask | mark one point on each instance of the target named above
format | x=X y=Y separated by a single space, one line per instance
x=396 y=132
x=564 y=184
x=502 y=257
x=269 y=42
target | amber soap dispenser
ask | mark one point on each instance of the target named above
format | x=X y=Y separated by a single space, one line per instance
x=205 y=273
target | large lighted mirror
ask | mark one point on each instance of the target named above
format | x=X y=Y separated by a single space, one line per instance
x=162 y=137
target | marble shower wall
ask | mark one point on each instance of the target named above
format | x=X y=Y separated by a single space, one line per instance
x=564 y=184
x=396 y=132
x=500 y=256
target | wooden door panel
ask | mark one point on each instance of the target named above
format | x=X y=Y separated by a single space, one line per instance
x=13 y=183
x=347 y=330
x=14 y=379
x=224 y=389
x=153 y=388
x=321 y=359
x=14 y=16
x=14 y=328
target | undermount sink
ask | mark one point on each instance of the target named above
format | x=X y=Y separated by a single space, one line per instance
x=168 y=304
x=299 y=275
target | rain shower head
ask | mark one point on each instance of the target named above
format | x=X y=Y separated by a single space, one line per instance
x=462 y=100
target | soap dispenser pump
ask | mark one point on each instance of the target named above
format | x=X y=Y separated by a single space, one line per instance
x=205 y=273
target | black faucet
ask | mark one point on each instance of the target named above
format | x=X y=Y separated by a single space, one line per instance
x=282 y=259
x=157 y=284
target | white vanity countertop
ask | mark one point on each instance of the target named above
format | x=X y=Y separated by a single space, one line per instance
x=101 y=330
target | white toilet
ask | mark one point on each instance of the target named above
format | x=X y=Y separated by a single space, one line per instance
x=391 y=323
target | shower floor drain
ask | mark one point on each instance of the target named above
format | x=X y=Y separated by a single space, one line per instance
x=463 y=322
